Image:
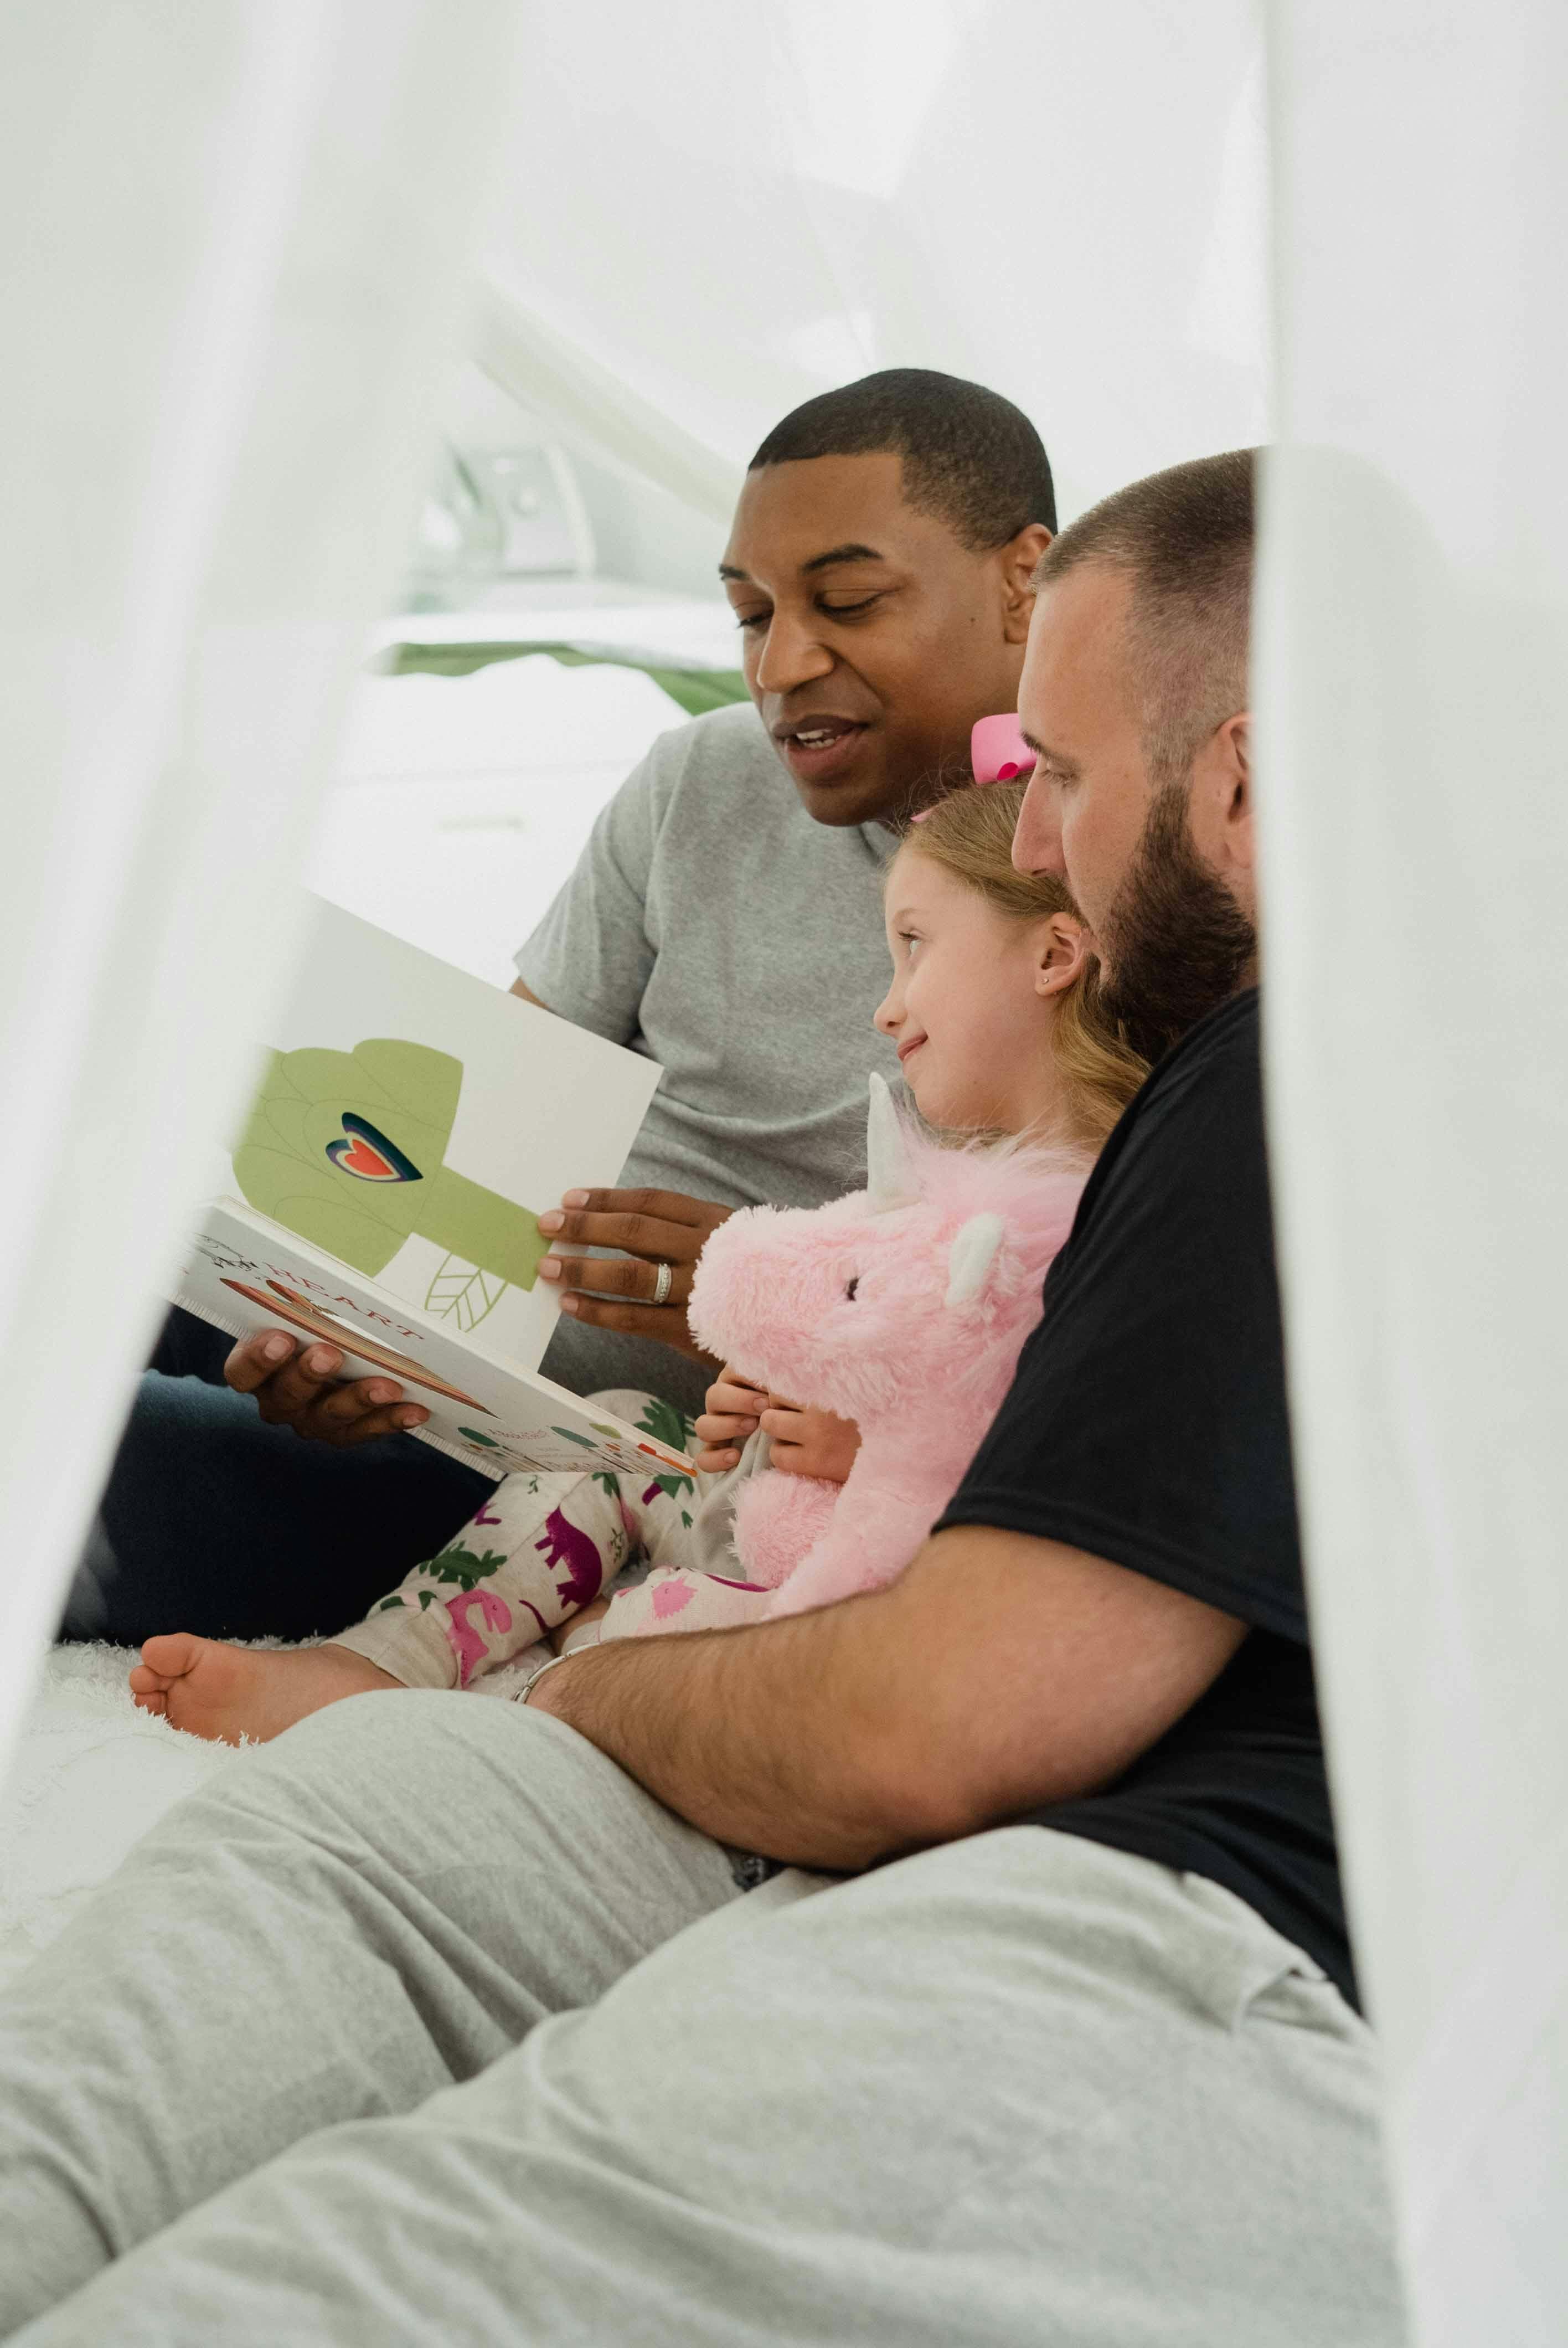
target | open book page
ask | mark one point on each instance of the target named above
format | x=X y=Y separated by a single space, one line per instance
x=413 y=1123
x=243 y=1273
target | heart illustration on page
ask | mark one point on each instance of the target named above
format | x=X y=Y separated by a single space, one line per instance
x=365 y=1152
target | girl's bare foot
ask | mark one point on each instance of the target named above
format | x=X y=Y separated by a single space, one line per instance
x=230 y=1693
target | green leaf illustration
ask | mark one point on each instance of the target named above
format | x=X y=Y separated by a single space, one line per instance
x=463 y=1293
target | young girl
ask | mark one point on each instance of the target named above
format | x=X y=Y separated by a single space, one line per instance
x=993 y=1011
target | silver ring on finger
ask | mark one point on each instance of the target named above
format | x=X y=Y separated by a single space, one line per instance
x=663 y=1284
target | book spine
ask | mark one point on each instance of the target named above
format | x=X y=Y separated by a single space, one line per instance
x=203 y=1312
x=460 y=1452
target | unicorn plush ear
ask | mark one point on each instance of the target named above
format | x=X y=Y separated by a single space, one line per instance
x=889 y=1172
x=971 y=1255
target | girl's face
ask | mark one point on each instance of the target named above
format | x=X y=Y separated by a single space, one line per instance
x=972 y=1001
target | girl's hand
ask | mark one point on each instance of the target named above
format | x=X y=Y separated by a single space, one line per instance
x=734 y=1409
x=810 y=1442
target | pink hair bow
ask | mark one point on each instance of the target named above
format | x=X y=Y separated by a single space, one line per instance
x=998 y=752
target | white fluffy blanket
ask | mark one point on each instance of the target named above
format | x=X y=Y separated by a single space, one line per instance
x=90 y=1775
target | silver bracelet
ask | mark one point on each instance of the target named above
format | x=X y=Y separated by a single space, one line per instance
x=535 y=1676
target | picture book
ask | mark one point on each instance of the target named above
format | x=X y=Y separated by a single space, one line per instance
x=413 y=1123
x=410 y=1125
x=243 y=1273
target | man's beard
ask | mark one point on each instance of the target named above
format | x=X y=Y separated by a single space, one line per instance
x=1177 y=943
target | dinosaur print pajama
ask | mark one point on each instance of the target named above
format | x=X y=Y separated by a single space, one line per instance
x=544 y=1547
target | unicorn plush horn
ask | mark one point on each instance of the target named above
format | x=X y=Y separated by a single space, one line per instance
x=890 y=1179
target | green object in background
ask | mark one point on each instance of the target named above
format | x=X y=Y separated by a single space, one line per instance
x=345 y=1148
x=694 y=690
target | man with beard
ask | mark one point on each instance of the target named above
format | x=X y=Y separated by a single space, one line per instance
x=1145 y=659
x=1042 y=2025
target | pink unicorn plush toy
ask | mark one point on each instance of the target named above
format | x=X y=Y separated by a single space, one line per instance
x=903 y=1307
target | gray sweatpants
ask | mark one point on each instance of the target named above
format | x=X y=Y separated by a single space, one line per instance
x=430 y=2024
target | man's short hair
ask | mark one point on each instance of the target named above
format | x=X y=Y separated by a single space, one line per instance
x=971 y=458
x=1185 y=539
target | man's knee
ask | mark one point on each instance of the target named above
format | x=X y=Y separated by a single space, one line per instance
x=413 y=1777
x=389 y=1741
x=369 y=1771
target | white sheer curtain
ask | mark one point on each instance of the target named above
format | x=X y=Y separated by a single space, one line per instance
x=714 y=212
x=233 y=239
x=1414 y=691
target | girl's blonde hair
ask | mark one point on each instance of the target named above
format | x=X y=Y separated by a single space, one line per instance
x=970 y=834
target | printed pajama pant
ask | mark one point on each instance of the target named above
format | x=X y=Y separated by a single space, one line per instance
x=538 y=1550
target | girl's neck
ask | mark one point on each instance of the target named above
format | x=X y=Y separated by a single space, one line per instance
x=1042 y=1110
x=1055 y=1128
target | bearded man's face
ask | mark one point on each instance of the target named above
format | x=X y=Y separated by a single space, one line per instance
x=1175 y=943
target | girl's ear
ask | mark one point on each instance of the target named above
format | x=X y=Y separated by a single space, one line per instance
x=1063 y=950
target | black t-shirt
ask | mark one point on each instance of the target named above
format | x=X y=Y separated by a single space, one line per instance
x=1147 y=1425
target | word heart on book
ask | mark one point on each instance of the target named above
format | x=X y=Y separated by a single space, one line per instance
x=384 y=1195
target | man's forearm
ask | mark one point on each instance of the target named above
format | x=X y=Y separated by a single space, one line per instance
x=999 y=1673
x=767 y=1737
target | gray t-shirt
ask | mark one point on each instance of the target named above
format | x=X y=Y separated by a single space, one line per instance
x=711 y=924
